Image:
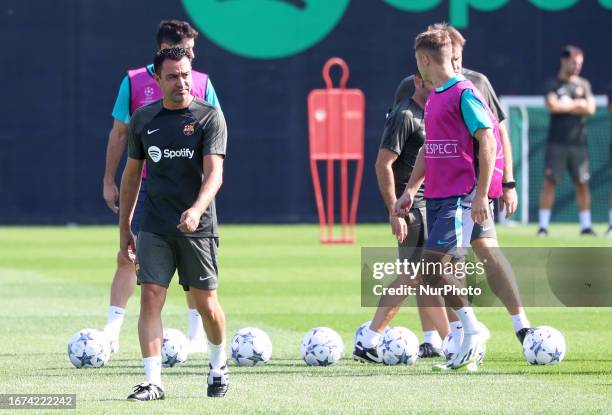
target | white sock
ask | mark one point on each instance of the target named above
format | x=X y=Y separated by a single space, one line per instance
x=432 y=337
x=610 y=217
x=520 y=321
x=371 y=338
x=468 y=320
x=544 y=218
x=114 y=322
x=196 y=329
x=217 y=356
x=152 y=366
x=585 y=219
x=457 y=333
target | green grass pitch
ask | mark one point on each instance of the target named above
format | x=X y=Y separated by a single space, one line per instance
x=55 y=281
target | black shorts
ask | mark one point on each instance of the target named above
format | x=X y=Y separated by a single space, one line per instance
x=159 y=256
x=560 y=158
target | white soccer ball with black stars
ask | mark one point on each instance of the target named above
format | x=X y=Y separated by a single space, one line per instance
x=544 y=346
x=361 y=331
x=322 y=346
x=89 y=348
x=174 y=348
x=449 y=348
x=251 y=347
x=399 y=346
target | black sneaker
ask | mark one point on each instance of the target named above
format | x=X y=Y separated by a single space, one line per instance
x=218 y=382
x=146 y=392
x=542 y=233
x=366 y=354
x=587 y=232
x=609 y=233
x=428 y=350
x=520 y=335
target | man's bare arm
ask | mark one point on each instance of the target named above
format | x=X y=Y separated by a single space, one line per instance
x=578 y=106
x=585 y=106
x=418 y=173
x=487 y=153
x=213 y=179
x=404 y=203
x=384 y=175
x=130 y=186
x=117 y=139
x=509 y=200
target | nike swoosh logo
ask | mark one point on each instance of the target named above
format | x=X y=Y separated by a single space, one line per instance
x=439 y=242
x=486 y=229
x=204 y=279
x=152 y=131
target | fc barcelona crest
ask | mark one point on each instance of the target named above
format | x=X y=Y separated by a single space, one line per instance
x=189 y=129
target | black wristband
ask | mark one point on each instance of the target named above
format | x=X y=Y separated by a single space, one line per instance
x=509 y=185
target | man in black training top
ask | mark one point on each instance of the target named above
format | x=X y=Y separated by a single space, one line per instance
x=569 y=100
x=183 y=140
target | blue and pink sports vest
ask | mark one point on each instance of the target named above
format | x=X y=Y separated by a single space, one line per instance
x=144 y=90
x=450 y=157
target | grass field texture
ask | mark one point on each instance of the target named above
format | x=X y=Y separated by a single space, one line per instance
x=55 y=281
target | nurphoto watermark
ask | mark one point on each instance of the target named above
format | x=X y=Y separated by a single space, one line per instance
x=536 y=277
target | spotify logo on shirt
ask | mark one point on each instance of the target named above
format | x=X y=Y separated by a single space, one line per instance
x=156 y=153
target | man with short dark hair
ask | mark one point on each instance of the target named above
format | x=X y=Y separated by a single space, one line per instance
x=139 y=88
x=569 y=100
x=183 y=139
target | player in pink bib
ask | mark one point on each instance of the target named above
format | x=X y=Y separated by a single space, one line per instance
x=461 y=163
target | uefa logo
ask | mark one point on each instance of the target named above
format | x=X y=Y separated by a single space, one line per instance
x=148 y=91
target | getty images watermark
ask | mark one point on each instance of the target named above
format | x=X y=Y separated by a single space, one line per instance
x=534 y=277
x=412 y=270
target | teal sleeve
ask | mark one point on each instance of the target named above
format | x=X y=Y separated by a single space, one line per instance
x=121 y=110
x=474 y=113
x=211 y=95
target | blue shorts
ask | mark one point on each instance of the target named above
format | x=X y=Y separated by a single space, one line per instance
x=139 y=204
x=451 y=227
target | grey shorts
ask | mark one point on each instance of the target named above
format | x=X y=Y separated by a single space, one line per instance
x=560 y=158
x=159 y=256
x=412 y=247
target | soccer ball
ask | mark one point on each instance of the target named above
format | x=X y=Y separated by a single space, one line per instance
x=321 y=346
x=361 y=331
x=174 y=348
x=449 y=348
x=89 y=348
x=251 y=347
x=544 y=346
x=399 y=345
